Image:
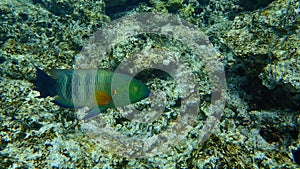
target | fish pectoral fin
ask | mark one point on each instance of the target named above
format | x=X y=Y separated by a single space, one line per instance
x=94 y=111
x=102 y=98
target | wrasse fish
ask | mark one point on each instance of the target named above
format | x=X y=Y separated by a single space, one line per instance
x=95 y=88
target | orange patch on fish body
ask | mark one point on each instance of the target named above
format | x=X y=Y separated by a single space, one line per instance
x=102 y=98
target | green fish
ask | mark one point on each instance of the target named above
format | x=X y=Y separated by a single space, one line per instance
x=94 y=88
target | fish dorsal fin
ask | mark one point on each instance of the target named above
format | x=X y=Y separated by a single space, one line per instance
x=102 y=98
x=56 y=73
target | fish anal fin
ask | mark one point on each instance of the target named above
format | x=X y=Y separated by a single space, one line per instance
x=94 y=111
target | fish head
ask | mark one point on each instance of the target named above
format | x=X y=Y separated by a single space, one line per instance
x=138 y=91
x=127 y=90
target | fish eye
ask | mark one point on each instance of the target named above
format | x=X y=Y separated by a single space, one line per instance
x=115 y=92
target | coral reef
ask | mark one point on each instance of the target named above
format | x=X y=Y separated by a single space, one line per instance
x=258 y=43
x=266 y=41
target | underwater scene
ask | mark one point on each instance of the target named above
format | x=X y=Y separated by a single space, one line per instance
x=150 y=84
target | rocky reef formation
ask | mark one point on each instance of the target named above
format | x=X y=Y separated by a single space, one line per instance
x=258 y=43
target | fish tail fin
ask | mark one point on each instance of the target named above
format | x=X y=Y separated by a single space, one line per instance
x=44 y=83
